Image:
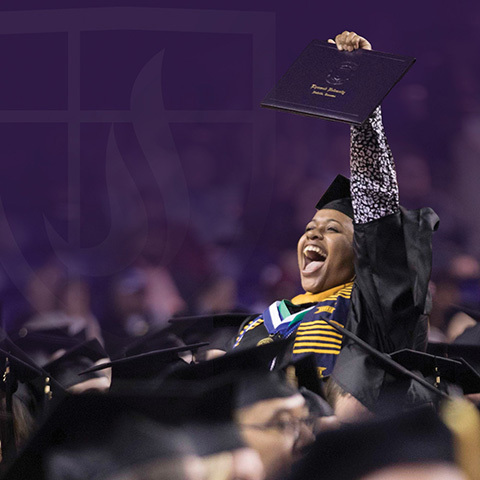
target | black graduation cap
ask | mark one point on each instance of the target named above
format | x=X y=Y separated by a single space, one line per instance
x=15 y=372
x=209 y=322
x=353 y=451
x=41 y=344
x=93 y=436
x=469 y=353
x=440 y=369
x=254 y=370
x=429 y=393
x=216 y=329
x=21 y=370
x=93 y=432
x=204 y=409
x=256 y=386
x=152 y=366
x=152 y=341
x=23 y=379
x=265 y=357
x=42 y=385
x=9 y=346
x=337 y=197
x=66 y=368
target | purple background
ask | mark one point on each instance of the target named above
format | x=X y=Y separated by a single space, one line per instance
x=133 y=130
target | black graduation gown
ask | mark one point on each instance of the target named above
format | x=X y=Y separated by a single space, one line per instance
x=390 y=299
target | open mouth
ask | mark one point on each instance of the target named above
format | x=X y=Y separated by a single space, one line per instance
x=314 y=257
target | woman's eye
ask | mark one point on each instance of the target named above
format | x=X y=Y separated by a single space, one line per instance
x=332 y=229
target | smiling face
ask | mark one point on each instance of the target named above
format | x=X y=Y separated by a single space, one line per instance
x=325 y=251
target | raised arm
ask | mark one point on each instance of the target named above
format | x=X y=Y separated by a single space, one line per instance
x=390 y=302
x=373 y=178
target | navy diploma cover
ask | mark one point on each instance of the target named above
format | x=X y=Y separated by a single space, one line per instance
x=337 y=85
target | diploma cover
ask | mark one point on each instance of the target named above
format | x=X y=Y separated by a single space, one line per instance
x=336 y=84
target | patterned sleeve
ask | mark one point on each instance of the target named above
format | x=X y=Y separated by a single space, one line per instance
x=373 y=179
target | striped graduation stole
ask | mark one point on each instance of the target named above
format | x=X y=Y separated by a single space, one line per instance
x=316 y=336
x=313 y=334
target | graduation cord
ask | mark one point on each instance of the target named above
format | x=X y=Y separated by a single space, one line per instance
x=386 y=359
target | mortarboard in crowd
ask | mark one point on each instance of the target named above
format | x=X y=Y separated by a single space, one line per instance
x=216 y=330
x=143 y=370
x=93 y=436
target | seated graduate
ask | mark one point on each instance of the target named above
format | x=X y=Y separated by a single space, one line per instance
x=274 y=418
x=177 y=433
x=364 y=263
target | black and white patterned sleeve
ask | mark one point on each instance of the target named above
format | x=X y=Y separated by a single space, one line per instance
x=374 y=186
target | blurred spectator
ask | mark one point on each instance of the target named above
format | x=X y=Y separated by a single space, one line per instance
x=171 y=249
x=58 y=302
x=417 y=189
x=445 y=294
x=219 y=295
x=456 y=299
x=42 y=288
x=141 y=298
x=466 y=156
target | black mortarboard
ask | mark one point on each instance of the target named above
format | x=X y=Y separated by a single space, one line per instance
x=251 y=369
x=264 y=357
x=37 y=391
x=440 y=369
x=40 y=345
x=337 y=197
x=23 y=363
x=154 y=340
x=353 y=451
x=345 y=379
x=93 y=431
x=20 y=369
x=92 y=436
x=208 y=325
x=458 y=351
x=205 y=409
x=151 y=367
x=216 y=329
x=15 y=372
x=66 y=369
x=256 y=386
x=9 y=346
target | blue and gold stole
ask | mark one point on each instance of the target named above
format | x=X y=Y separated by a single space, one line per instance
x=313 y=334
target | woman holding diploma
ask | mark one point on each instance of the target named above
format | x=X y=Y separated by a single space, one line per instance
x=364 y=263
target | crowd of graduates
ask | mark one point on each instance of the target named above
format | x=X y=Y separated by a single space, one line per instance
x=171 y=406
x=339 y=382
